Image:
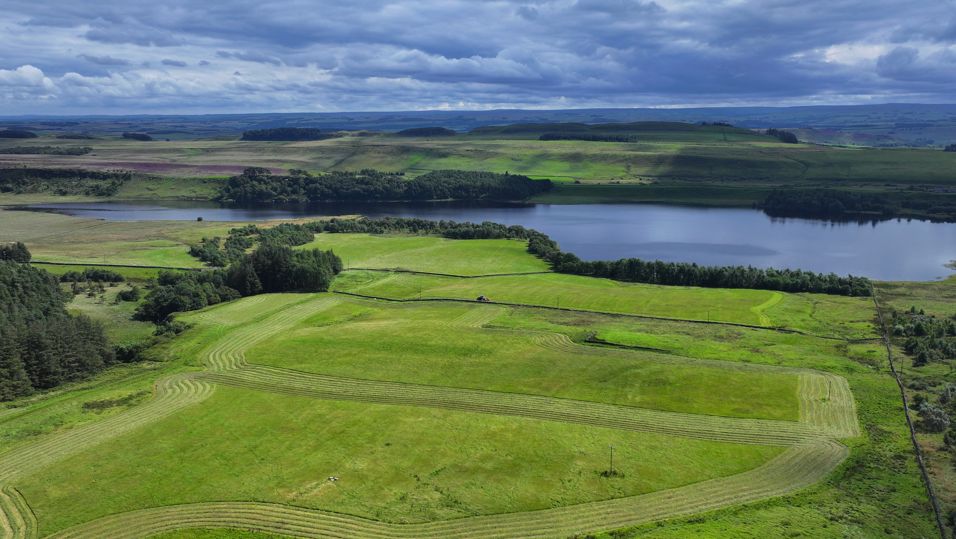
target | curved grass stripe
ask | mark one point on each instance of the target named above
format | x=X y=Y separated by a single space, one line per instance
x=228 y=353
x=16 y=519
x=745 y=431
x=796 y=468
x=172 y=394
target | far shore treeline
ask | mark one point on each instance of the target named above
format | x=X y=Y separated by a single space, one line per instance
x=216 y=251
x=260 y=186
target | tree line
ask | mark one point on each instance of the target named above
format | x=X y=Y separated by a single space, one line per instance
x=220 y=253
x=62 y=181
x=426 y=132
x=41 y=344
x=950 y=148
x=286 y=134
x=99 y=275
x=625 y=269
x=260 y=186
x=836 y=204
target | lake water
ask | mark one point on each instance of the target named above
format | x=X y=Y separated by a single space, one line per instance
x=886 y=250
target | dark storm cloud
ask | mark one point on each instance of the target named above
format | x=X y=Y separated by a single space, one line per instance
x=387 y=54
x=104 y=60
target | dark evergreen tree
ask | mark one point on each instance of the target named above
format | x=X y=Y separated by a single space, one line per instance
x=17 y=252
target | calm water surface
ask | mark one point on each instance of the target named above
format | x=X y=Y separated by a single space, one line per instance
x=890 y=250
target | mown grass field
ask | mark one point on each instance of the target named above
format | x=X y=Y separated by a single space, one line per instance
x=427 y=465
x=458 y=418
x=410 y=344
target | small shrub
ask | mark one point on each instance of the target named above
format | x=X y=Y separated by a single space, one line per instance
x=131 y=294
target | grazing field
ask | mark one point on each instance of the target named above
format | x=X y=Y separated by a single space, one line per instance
x=410 y=344
x=450 y=418
x=430 y=253
x=843 y=316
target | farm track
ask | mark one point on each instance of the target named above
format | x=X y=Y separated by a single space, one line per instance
x=827 y=413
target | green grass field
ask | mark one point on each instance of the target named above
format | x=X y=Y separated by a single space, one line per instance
x=461 y=419
x=427 y=465
x=410 y=344
x=849 y=317
x=430 y=253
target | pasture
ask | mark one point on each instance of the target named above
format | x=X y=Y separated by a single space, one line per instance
x=676 y=163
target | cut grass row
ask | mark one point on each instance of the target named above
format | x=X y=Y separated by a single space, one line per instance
x=796 y=468
x=17 y=521
x=171 y=395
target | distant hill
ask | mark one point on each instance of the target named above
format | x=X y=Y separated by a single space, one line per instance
x=877 y=125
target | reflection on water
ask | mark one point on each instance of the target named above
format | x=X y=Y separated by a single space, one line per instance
x=892 y=250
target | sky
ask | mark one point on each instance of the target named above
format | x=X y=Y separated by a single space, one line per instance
x=228 y=56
